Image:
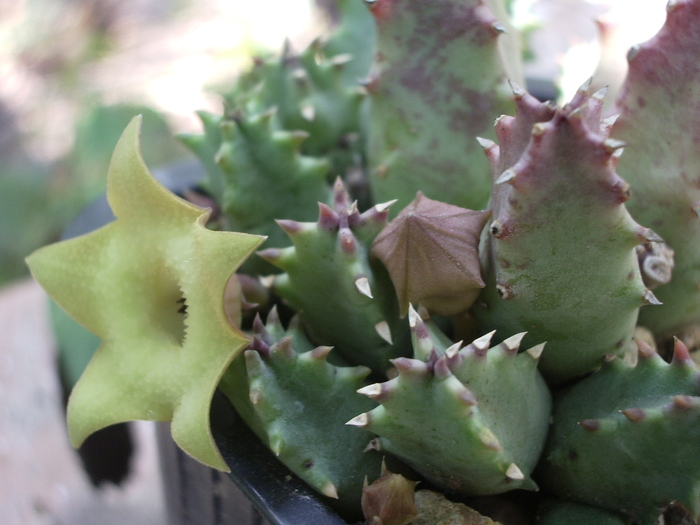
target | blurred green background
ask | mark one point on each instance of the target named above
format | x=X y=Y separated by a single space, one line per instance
x=74 y=72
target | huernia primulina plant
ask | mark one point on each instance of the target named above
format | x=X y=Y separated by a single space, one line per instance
x=484 y=307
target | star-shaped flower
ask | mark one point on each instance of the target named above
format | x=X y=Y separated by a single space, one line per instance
x=151 y=286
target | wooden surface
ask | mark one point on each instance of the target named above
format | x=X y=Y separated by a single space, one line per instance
x=41 y=480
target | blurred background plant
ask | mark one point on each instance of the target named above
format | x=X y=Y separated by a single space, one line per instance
x=73 y=74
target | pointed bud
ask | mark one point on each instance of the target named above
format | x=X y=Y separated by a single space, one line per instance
x=389 y=500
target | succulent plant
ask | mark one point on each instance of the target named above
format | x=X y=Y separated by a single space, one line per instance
x=470 y=302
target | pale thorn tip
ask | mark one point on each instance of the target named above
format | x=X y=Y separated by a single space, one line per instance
x=482 y=343
x=634 y=414
x=359 y=421
x=650 y=235
x=353 y=208
x=696 y=209
x=609 y=121
x=612 y=145
x=513 y=342
x=330 y=490
x=321 y=352
x=267 y=281
x=382 y=328
x=600 y=94
x=413 y=316
x=536 y=351
x=507 y=176
x=538 y=129
x=586 y=85
x=423 y=312
x=255 y=397
x=453 y=350
x=485 y=143
x=371 y=391
x=383 y=206
x=650 y=298
x=308 y=112
x=339 y=60
x=682 y=402
x=633 y=52
x=362 y=285
x=516 y=88
x=489 y=440
x=514 y=473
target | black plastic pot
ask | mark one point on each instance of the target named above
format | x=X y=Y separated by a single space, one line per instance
x=259 y=490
